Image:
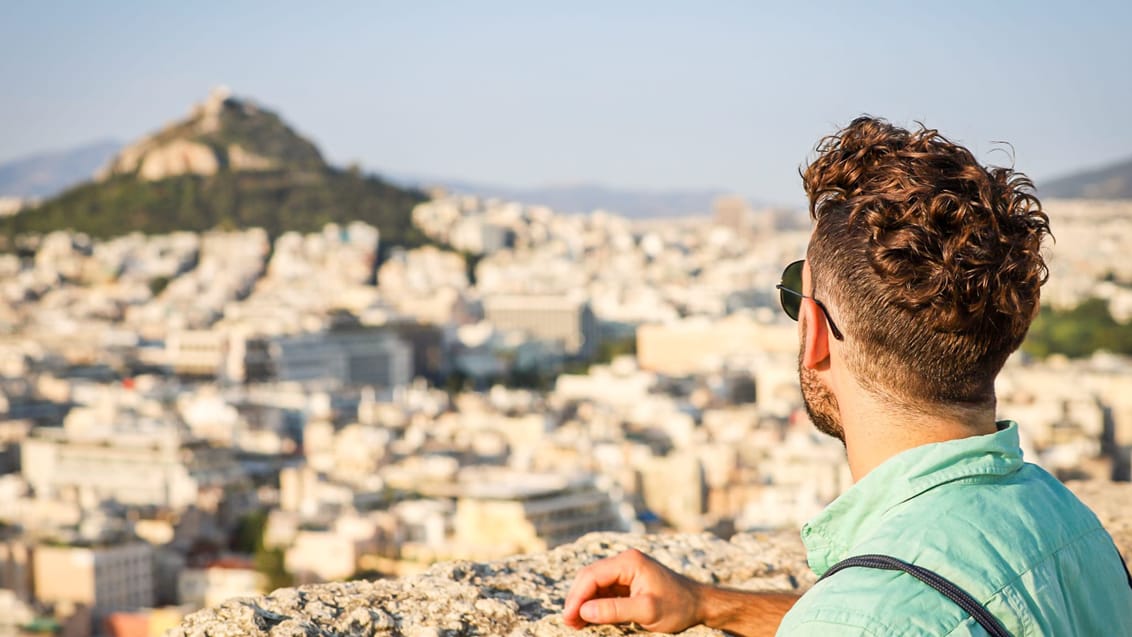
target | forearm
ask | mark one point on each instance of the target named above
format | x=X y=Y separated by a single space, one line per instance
x=744 y=613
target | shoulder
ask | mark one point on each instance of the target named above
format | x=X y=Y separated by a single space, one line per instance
x=994 y=529
x=1023 y=546
x=863 y=601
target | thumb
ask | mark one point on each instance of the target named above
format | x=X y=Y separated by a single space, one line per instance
x=620 y=610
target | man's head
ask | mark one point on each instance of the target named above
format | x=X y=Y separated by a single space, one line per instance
x=929 y=263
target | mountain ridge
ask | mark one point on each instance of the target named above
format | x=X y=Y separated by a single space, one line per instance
x=587 y=197
x=1109 y=181
x=49 y=172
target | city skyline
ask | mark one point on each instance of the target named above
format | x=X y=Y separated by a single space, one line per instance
x=630 y=96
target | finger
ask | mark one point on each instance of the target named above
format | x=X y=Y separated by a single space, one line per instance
x=620 y=610
x=619 y=569
x=581 y=590
x=573 y=620
x=574 y=601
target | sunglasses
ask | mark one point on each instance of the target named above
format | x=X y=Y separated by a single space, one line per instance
x=790 y=295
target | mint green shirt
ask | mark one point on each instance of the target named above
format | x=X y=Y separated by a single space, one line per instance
x=971 y=510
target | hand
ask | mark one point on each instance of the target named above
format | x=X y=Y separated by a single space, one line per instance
x=633 y=587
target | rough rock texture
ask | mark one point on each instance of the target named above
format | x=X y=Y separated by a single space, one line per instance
x=523 y=595
x=178 y=157
x=518 y=596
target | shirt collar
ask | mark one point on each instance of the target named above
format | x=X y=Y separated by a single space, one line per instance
x=831 y=535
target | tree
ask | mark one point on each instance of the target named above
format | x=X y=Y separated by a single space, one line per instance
x=248 y=538
x=1077 y=332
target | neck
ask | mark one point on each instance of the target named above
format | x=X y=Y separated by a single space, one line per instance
x=875 y=432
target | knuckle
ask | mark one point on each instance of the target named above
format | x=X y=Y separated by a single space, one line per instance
x=633 y=555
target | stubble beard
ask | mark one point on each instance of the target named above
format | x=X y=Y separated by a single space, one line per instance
x=821 y=404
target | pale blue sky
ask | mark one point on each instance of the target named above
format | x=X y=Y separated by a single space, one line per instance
x=634 y=94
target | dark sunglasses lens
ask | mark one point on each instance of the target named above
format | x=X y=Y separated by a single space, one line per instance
x=791 y=280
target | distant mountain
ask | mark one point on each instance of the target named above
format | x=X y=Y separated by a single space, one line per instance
x=585 y=198
x=1109 y=182
x=48 y=174
x=229 y=164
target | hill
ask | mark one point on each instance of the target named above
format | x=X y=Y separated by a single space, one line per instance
x=47 y=174
x=1108 y=182
x=230 y=164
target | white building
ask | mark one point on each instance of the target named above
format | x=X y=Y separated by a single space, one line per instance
x=140 y=469
x=196 y=352
x=219 y=581
x=477 y=235
x=323 y=556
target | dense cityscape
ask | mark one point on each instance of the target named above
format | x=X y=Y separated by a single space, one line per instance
x=189 y=417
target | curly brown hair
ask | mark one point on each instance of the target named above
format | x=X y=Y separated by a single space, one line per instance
x=932 y=261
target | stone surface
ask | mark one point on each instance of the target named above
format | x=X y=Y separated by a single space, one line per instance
x=523 y=595
x=518 y=596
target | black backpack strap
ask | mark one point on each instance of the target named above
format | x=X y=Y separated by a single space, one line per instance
x=931 y=578
x=1125 y=565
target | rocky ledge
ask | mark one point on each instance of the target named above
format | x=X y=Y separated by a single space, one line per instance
x=523 y=595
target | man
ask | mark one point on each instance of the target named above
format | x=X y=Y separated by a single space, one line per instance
x=922 y=276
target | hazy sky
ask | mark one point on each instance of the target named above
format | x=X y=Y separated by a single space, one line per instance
x=634 y=94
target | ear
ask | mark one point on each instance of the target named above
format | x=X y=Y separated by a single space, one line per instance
x=816 y=354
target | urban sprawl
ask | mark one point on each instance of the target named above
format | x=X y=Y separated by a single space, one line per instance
x=191 y=417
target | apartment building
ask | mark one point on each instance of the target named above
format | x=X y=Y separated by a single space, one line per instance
x=564 y=319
